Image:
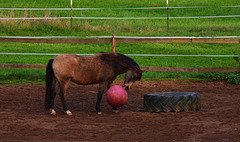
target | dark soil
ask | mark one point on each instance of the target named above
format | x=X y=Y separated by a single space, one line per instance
x=23 y=117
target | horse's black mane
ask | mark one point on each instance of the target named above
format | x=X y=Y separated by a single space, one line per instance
x=133 y=64
x=120 y=59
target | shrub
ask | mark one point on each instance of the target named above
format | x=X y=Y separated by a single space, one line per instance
x=233 y=78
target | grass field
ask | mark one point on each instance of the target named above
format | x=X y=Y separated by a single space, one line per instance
x=178 y=27
x=185 y=27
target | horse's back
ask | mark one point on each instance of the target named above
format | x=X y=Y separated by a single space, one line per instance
x=80 y=69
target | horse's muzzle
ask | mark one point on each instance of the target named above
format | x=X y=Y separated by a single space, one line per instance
x=126 y=88
x=128 y=85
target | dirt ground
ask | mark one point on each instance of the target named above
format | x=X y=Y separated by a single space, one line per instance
x=23 y=117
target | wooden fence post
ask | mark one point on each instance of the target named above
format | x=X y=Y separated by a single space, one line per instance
x=114 y=43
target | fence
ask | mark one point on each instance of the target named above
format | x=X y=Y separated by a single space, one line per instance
x=120 y=39
x=123 y=39
x=132 y=8
x=158 y=69
x=118 y=18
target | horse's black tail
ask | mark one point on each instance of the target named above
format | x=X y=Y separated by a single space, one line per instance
x=49 y=84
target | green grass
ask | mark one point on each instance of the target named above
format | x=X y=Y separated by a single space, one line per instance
x=112 y=3
x=133 y=48
x=20 y=76
x=178 y=27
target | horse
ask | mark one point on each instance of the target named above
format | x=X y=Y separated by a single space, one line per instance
x=101 y=68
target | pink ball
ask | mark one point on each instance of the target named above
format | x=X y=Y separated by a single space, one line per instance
x=116 y=96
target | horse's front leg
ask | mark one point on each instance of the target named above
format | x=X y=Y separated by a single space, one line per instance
x=102 y=88
x=100 y=94
x=115 y=110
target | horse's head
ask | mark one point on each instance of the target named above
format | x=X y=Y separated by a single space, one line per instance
x=130 y=77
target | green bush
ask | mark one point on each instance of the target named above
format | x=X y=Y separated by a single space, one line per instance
x=233 y=78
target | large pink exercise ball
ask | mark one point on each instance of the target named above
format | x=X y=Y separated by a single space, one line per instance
x=116 y=96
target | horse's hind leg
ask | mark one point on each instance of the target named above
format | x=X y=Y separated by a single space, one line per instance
x=63 y=89
x=55 y=89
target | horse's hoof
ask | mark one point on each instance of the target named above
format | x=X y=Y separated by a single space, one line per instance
x=99 y=112
x=68 y=113
x=53 y=112
x=116 y=111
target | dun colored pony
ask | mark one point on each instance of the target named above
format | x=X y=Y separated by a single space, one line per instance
x=102 y=68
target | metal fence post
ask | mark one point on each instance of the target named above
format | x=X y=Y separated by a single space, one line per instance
x=71 y=14
x=167 y=18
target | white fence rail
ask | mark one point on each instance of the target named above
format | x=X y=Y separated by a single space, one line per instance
x=129 y=37
x=139 y=55
x=134 y=8
x=116 y=18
